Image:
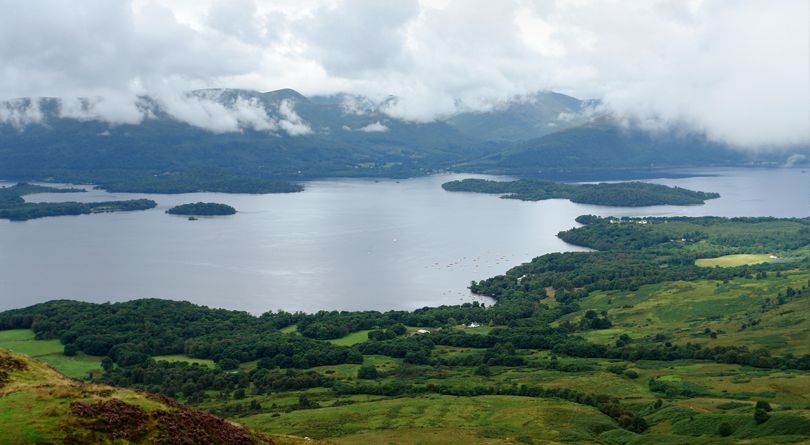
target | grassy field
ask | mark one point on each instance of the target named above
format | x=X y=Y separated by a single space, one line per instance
x=50 y=352
x=734 y=260
x=436 y=419
x=683 y=311
x=351 y=339
x=291 y=329
x=24 y=341
x=184 y=358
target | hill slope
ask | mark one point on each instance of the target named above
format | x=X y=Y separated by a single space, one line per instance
x=40 y=405
x=519 y=120
x=606 y=146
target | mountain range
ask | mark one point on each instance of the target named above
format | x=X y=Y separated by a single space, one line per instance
x=282 y=135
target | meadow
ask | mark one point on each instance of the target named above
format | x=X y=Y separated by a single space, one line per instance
x=742 y=311
x=79 y=366
x=741 y=259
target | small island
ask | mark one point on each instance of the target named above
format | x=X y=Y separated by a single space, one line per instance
x=202 y=209
x=14 y=208
x=621 y=194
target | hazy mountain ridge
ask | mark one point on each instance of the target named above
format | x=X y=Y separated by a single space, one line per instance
x=602 y=145
x=284 y=135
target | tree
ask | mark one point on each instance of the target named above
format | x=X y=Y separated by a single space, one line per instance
x=368 y=372
x=631 y=374
x=623 y=340
x=761 y=416
x=107 y=364
x=228 y=364
x=71 y=349
x=763 y=405
x=305 y=403
x=724 y=429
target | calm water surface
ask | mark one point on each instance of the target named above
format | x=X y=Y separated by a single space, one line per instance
x=341 y=244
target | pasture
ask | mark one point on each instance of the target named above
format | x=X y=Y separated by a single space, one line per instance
x=734 y=260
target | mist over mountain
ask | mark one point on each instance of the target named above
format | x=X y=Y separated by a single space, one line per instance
x=285 y=135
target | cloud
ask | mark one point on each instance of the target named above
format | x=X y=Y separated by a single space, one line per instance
x=20 y=112
x=291 y=122
x=213 y=115
x=374 y=127
x=358 y=36
x=113 y=108
x=735 y=70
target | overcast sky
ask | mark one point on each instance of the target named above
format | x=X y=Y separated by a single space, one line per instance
x=737 y=70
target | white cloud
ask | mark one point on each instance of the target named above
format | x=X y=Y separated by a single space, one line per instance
x=734 y=69
x=20 y=113
x=291 y=122
x=113 y=108
x=374 y=127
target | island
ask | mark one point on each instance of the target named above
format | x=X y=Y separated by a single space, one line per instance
x=620 y=194
x=202 y=209
x=204 y=180
x=14 y=208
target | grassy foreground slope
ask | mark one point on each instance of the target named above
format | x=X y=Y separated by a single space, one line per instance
x=40 y=405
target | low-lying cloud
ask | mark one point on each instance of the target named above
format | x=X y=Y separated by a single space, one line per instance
x=205 y=111
x=374 y=127
x=735 y=70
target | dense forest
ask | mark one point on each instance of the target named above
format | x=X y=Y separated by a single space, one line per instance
x=202 y=209
x=624 y=194
x=14 y=207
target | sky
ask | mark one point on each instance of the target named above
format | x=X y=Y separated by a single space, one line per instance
x=735 y=70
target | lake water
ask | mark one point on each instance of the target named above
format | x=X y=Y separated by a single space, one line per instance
x=341 y=244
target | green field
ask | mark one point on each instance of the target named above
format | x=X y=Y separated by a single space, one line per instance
x=50 y=352
x=291 y=329
x=184 y=358
x=735 y=260
x=442 y=419
x=683 y=311
x=24 y=341
x=351 y=339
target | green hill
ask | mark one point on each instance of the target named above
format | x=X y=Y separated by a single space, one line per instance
x=40 y=405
